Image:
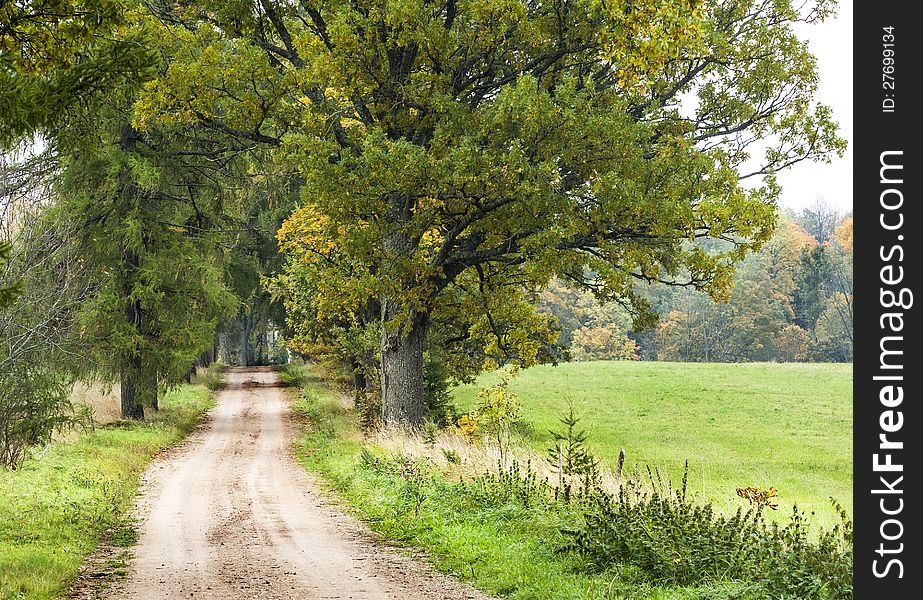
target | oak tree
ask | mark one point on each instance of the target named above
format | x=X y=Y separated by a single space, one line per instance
x=440 y=141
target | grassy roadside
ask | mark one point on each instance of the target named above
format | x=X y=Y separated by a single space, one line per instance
x=500 y=544
x=55 y=511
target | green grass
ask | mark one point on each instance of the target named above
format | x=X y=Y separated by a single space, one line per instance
x=503 y=548
x=293 y=374
x=55 y=511
x=782 y=425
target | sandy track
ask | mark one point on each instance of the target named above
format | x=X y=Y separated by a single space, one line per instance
x=230 y=515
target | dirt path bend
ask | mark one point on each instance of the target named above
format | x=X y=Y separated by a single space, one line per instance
x=229 y=514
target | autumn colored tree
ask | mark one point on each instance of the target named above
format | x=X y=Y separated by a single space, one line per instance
x=475 y=141
x=59 y=53
x=757 y=321
x=603 y=342
x=844 y=235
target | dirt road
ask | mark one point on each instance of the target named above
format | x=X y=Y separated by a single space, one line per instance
x=231 y=515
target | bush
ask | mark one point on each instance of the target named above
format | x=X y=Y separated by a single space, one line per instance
x=213 y=376
x=437 y=393
x=293 y=375
x=496 y=413
x=516 y=485
x=569 y=455
x=675 y=541
x=34 y=404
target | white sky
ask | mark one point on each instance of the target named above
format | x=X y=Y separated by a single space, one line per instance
x=832 y=44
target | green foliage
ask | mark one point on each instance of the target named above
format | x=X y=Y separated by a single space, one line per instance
x=569 y=455
x=430 y=433
x=437 y=390
x=8 y=293
x=37 y=332
x=415 y=474
x=213 y=377
x=496 y=412
x=517 y=484
x=151 y=229
x=811 y=282
x=34 y=405
x=61 y=56
x=459 y=158
x=675 y=540
x=293 y=374
x=54 y=511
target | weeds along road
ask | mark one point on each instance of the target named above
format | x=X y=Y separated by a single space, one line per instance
x=230 y=514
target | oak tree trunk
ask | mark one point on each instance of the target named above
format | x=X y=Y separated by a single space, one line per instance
x=402 y=370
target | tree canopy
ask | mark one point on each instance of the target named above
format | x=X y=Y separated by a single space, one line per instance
x=450 y=158
x=519 y=140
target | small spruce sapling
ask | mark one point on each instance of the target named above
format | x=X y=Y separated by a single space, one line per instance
x=569 y=455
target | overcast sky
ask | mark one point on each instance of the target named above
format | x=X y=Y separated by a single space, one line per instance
x=803 y=184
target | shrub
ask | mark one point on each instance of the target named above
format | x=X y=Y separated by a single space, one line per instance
x=675 y=541
x=516 y=485
x=496 y=413
x=293 y=375
x=468 y=427
x=437 y=393
x=34 y=404
x=213 y=376
x=430 y=433
x=570 y=455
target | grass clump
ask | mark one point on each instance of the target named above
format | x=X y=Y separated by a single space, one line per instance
x=293 y=374
x=213 y=376
x=54 y=511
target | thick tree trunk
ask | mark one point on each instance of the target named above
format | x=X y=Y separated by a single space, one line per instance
x=131 y=384
x=403 y=331
x=150 y=391
x=402 y=370
x=132 y=375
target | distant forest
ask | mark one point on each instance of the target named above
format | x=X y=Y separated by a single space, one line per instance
x=792 y=301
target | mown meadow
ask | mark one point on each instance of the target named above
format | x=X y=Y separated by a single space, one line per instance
x=784 y=425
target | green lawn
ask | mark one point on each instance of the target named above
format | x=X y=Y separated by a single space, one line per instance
x=782 y=425
x=54 y=511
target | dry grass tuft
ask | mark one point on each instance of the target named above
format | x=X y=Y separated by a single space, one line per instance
x=477 y=458
x=103 y=399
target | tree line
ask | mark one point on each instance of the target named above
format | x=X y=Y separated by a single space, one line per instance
x=391 y=182
x=791 y=301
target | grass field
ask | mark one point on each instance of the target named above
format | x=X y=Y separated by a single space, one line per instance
x=54 y=511
x=782 y=425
